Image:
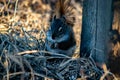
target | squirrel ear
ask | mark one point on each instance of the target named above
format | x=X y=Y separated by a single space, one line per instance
x=54 y=17
x=63 y=18
x=70 y=20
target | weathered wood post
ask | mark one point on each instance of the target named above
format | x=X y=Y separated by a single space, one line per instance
x=97 y=21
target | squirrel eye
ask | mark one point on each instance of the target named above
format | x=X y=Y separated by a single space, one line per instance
x=60 y=29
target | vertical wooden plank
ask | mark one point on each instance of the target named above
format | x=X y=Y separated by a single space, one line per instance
x=104 y=24
x=97 y=21
x=88 y=27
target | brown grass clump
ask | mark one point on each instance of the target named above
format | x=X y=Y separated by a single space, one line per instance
x=114 y=59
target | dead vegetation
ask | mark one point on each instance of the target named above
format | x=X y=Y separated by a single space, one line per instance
x=23 y=24
x=115 y=39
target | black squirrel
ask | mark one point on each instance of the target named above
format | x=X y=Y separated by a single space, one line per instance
x=60 y=36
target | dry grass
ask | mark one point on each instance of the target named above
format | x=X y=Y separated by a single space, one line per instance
x=23 y=24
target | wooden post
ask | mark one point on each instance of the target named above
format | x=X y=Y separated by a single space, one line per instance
x=97 y=21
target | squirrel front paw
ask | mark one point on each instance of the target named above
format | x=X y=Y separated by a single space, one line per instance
x=54 y=45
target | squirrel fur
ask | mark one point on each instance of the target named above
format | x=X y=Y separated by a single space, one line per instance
x=60 y=36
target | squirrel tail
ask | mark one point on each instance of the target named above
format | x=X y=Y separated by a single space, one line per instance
x=64 y=8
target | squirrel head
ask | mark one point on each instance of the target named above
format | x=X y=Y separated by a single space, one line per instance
x=62 y=22
x=59 y=30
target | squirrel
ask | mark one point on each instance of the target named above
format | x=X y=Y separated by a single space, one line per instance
x=60 y=36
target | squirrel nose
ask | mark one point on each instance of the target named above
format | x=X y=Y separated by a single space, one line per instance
x=53 y=36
